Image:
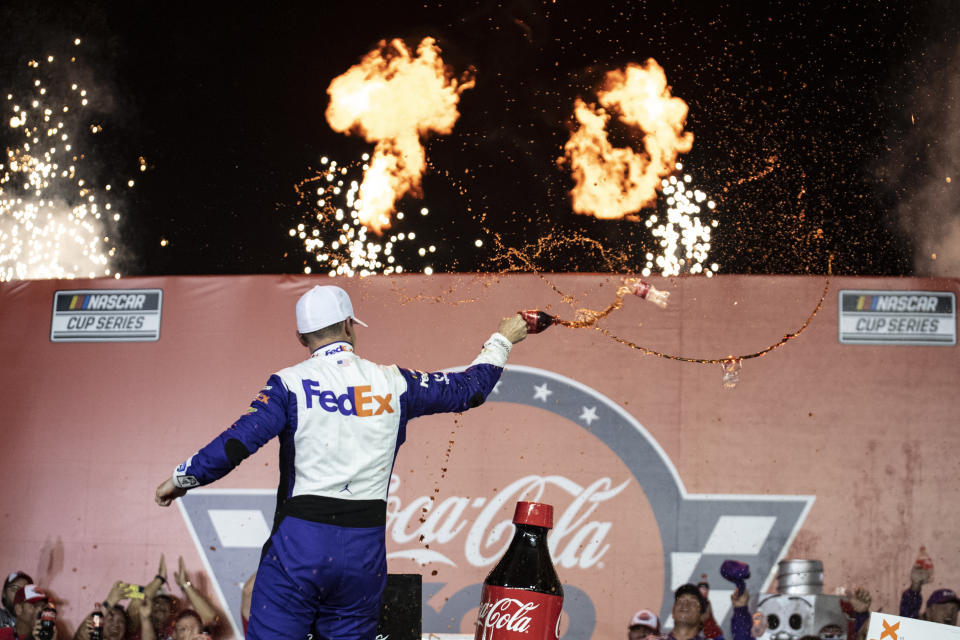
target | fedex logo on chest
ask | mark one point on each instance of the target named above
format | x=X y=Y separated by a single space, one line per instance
x=357 y=401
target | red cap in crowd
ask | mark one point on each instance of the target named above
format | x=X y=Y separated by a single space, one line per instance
x=646 y=618
x=16 y=575
x=30 y=593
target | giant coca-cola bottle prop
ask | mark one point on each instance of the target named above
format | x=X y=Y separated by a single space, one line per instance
x=522 y=596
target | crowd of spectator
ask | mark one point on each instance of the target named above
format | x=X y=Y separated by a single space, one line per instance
x=128 y=612
x=693 y=617
x=152 y=612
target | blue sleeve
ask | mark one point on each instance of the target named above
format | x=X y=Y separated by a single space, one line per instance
x=910 y=603
x=448 y=392
x=265 y=419
x=740 y=623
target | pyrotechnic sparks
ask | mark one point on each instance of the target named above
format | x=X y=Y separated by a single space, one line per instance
x=393 y=99
x=336 y=237
x=53 y=220
x=683 y=237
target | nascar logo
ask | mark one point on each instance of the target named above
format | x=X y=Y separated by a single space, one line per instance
x=897 y=303
x=108 y=302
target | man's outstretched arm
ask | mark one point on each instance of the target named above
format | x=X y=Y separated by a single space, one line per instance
x=446 y=392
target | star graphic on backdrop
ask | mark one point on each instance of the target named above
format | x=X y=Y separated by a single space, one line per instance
x=541 y=392
x=589 y=415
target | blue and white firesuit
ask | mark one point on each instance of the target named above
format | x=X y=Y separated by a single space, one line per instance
x=340 y=420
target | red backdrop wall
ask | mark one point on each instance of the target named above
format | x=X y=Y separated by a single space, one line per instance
x=870 y=432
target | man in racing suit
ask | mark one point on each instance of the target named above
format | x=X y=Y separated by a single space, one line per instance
x=340 y=420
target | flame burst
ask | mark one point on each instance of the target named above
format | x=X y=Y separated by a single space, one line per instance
x=617 y=182
x=393 y=99
x=613 y=182
x=52 y=220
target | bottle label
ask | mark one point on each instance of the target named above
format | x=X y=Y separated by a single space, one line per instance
x=507 y=613
x=537 y=321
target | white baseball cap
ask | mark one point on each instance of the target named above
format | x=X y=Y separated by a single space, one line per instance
x=323 y=306
x=646 y=618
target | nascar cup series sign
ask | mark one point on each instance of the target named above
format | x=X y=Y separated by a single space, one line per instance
x=898 y=317
x=628 y=487
x=106 y=315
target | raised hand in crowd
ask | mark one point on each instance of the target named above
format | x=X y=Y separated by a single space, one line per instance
x=708 y=623
x=117 y=593
x=860 y=601
x=113 y=625
x=740 y=599
x=208 y=615
x=919 y=577
x=147 y=631
x=163 y=610
x=742 y=625
x=114 y=616
x=86 y=626
x=910 y=600
x=158 y=580
x=35 y=632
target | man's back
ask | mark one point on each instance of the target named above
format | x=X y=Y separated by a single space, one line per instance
x=343 y=417
x=340 y=421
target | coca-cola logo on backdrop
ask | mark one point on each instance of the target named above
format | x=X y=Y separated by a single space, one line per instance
x=599 y=491
x=575 y=541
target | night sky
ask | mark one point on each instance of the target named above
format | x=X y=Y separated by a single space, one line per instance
x=821 y=128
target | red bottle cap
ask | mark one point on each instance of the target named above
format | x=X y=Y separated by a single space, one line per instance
x=537 y=514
